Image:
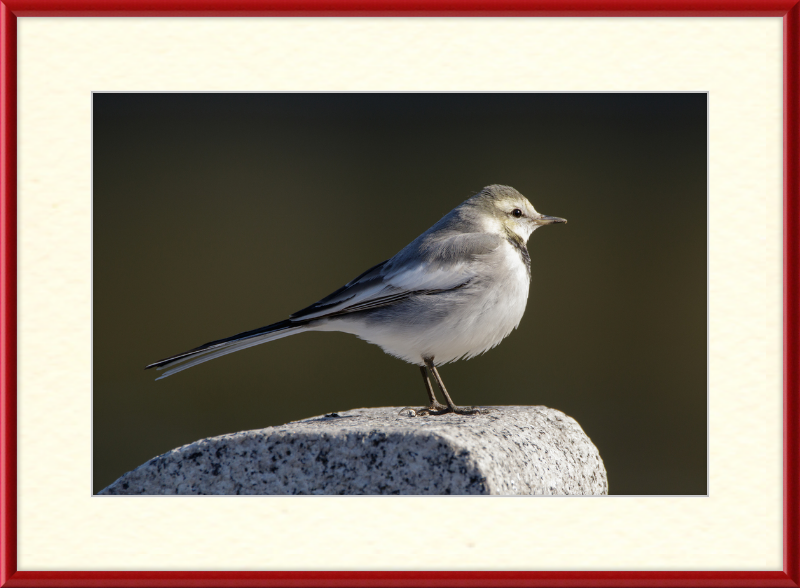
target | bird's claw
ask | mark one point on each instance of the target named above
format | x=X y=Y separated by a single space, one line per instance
x=440 y=409
x=427 y=411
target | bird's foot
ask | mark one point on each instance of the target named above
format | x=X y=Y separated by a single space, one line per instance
x=434 y=409
x=440 y=409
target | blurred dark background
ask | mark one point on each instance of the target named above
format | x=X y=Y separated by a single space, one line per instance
x=219 y=213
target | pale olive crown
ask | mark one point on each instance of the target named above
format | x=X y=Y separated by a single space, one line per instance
x=492 y=198
x=498 y=193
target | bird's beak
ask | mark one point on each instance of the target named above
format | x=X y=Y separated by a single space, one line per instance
x=549 y=220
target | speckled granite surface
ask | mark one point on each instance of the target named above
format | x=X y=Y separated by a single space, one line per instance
x=509 y=450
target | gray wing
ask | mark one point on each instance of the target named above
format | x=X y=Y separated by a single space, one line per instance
x=429 y=265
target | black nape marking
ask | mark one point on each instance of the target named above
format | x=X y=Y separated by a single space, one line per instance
x=519 y=245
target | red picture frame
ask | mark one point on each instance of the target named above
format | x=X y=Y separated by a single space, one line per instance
x=789 y=10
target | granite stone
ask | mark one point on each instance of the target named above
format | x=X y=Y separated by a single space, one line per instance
x=508 y=450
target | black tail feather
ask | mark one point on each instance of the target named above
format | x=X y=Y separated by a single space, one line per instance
x=246 y=335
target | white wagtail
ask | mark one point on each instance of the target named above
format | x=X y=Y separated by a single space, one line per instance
x=454 y=292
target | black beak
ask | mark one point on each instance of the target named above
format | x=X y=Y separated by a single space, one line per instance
x=549 y=220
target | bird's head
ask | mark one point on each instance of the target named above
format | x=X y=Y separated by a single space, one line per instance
x=504 y=211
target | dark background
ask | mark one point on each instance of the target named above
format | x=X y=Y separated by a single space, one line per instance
x=219 y=213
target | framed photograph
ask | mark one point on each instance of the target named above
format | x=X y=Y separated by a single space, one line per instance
x=168 y=181
x=273 y=166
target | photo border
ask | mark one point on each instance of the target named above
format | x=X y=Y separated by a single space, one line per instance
x=789 y=10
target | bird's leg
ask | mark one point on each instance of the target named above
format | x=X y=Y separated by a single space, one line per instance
x=436 y=407
x=451 y=406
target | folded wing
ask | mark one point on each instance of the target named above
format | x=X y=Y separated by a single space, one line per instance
x=421 y=268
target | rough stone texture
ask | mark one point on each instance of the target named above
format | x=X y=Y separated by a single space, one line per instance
x=508 y=450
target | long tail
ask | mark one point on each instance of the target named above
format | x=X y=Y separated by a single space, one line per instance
x=215 y=349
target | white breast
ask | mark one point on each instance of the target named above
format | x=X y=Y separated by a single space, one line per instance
x=504 y=303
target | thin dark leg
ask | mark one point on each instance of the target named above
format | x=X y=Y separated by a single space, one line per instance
x=439 y=381
x=435 y=405
x=450 y=404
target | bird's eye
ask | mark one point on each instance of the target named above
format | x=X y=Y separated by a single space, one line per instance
x=516 y=213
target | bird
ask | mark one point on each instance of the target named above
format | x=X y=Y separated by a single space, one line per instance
x=454 y=292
